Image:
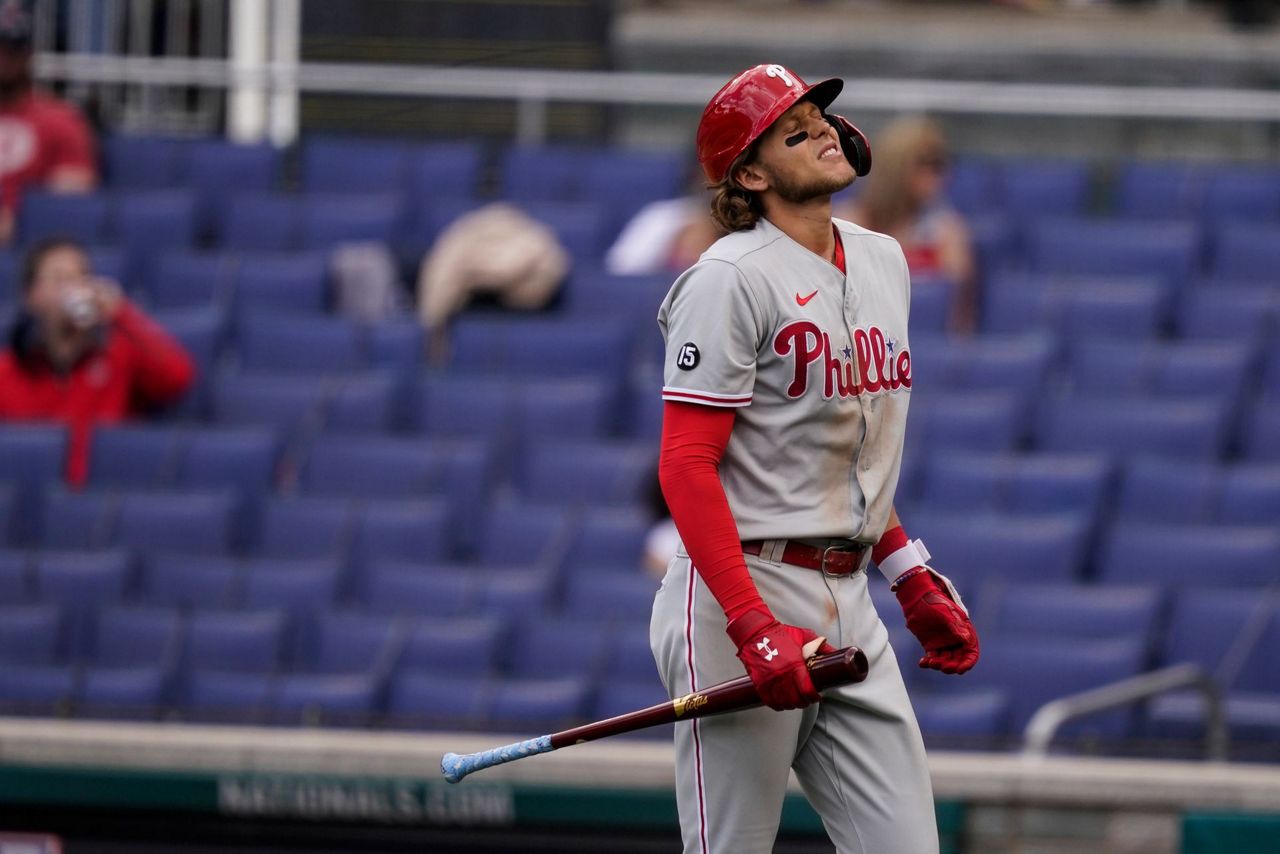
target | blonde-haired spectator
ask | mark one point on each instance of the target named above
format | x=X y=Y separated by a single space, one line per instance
x=903 y=197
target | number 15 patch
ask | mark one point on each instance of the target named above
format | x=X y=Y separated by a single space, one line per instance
x=688 y=357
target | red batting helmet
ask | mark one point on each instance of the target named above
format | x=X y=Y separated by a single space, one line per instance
x=746 y=106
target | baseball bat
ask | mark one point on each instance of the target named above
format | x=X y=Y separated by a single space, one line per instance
x=842 y=667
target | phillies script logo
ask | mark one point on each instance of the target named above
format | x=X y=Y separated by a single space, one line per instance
x=873 y=363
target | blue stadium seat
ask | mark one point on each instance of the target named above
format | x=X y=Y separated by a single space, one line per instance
x=1185 y=428
x=512 y=593
x=289 y=403
x=135 y=637
x=540 y=347
x=542 y=173
x=611 y=595
x=397 y=344
x=132 y=456
x=350 y=642
x=260 y=222
x=76 y=520
x=1034 y=671
x=1236 y=314
x=38 y=690
x=200 y=331
x=587 y=472
x=974 y=547
x=291 y=282
x=463 y=646
x=363 y=402
x=300 y=587
x=29 y=634
x=627 y=180
x=1246 y=251
x=330 y=220
x=538 y=704
x=234 y=641
x=305 y=527
x=335 y=164
x=300 y=343
x=520 y=533
x=1250 y=495
x=1070 y=611
x=1027 y=483
x=1109 y=368
x=630 y=656
x=450 y=701
x=216 y=169
x=151 y=220
x=185 y=581
x=582 y=228
x=1037 y=188
x=1260 y=435
x=15 y=577
x=1155 y=190
x=243 y=458
x=1205 y=625
x=620 y=696
x=181 y=522
x=978 y=713
x=82 y=583
x=121 y=693
x=449 y=169
x=183 y=277
x=386 y=467
x=325 y=698
x=144 y=162
x=563 y=409
x=1191 y=555
x=30 y=457
x=1115 y=247
x=1163 y=490
x=608 y=537
x=83 y=217
x=220 y=696
x=459 y=406
x=400 y=588
x=973 y=184
x=979 y=421
x=413 y=530
x=987 y=362
x=1243 y=192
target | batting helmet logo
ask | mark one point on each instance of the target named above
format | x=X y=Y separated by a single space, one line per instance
x=744 y=108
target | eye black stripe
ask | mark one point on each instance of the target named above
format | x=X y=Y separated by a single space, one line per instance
x=797 y=138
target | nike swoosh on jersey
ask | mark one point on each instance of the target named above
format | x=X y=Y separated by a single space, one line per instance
x=805 y=300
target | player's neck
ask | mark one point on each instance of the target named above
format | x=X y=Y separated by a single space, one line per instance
x=808 y=224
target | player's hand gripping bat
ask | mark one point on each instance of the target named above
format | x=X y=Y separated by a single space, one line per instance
x=842 y=667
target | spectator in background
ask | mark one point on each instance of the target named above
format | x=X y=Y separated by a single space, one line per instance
x=666 y=236
x=80 y=353
x=44 y=142
x=497 y=250
x=903 y=197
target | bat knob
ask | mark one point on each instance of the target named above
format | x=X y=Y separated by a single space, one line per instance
x=451 y=767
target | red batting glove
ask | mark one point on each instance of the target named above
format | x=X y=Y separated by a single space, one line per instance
x=944 y=630
x=772 y=653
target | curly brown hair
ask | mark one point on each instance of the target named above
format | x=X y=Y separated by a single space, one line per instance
x=733 y=207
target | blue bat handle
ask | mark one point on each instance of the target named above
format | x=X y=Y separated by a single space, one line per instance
x=455 y=766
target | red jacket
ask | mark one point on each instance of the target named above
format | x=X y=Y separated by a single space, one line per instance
x=138 y=366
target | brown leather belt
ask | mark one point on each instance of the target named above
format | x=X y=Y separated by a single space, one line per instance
x=839 y=559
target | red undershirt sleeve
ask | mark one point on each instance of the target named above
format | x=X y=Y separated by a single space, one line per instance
x=694 y=438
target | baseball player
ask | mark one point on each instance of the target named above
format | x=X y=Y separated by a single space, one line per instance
x=787 y=378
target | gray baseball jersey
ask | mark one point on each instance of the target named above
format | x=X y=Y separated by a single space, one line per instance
x=819 y=366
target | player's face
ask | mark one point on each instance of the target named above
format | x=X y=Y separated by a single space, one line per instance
x=801 y=156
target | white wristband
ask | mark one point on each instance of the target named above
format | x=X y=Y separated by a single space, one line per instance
x=911 y=555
